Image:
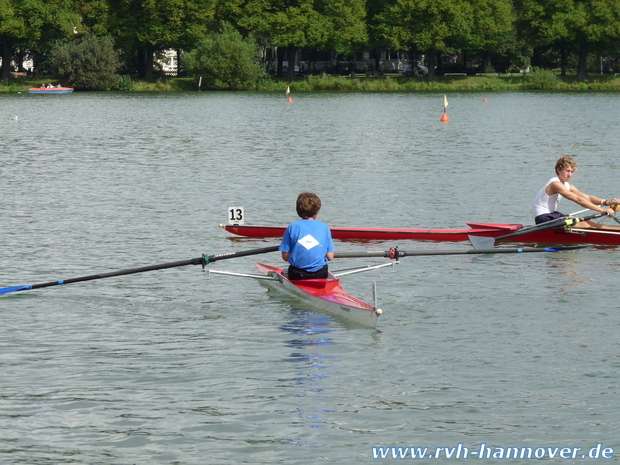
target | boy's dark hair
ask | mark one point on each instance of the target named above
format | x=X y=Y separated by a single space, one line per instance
x=308 y=205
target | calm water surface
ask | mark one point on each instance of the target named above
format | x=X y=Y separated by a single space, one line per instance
x=177 y=366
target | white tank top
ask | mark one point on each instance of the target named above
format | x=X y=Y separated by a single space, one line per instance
x=544 y=203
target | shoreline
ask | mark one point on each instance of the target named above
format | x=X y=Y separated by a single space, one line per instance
x=385 y=83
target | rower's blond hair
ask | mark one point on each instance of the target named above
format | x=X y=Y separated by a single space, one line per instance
x=308 y=205
x=565 y=162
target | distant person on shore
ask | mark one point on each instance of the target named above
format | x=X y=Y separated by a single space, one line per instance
x=307 y=243
x=545 y=206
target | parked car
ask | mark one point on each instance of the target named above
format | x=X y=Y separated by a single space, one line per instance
x=423 y=70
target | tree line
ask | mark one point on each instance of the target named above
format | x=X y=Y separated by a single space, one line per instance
x=504 y=34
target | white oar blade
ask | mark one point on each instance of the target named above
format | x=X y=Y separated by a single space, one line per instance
x=480 y=242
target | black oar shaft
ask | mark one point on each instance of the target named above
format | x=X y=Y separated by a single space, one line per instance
x=193 y=261
x=204 y=260
x=383 y=253
x=243 y=253
x=394 y=253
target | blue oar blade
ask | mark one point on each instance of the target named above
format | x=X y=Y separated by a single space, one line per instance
x=6 y=290
x=565 y=249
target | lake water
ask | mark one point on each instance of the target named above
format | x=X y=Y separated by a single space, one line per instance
x=177 y=366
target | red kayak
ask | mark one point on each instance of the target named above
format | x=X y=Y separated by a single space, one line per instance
x=560 y=235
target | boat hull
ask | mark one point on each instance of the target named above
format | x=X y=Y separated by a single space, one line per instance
x=549 y=236
x=51 y=90
x=323 y=294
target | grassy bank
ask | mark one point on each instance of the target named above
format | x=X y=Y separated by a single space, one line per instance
x=540 y=81
x=449 y=83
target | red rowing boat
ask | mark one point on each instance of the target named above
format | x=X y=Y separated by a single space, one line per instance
x=560 y=235
x=325 y=294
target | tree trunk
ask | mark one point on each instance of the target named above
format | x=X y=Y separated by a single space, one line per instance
x=535 y=60
x=582 y=66
x=140 y=62
x=148 y=64
x=7 y=53
x=413 y=59
x=562 y=60
x=291 y=54
x=439 y=63
x=145 y=62
x=19 y=60
x=280 y=58
x=432 y=58
x=377 y=54
x=486 y=62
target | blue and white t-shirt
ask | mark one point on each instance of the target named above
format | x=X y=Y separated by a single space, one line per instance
x=308 y=241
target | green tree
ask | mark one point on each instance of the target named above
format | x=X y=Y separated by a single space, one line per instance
x=289 y=25
x=225 y=60
x=438 y=26
x=544 y=23
x=582 y=25
x=142 y=27
x=492 y=30
x=12 y=28
x=34 y=24
x=95 y=16
x=87 y=63
x=380 y=34
x=429 y=25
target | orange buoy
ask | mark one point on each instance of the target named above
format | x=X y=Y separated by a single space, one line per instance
x=484 y=100
x=444 y=117
x=289 y=99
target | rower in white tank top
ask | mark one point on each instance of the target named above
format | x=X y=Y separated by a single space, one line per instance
x=546 y=202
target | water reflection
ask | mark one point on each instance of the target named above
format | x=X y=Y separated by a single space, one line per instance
x=581 y=269
x=569 y=269
x=312 y=369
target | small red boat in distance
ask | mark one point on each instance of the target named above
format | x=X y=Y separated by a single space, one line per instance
x=50 y=90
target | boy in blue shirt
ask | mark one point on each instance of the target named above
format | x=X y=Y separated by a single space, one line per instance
x=307 y=243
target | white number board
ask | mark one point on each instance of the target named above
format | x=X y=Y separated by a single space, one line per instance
x=235 y=215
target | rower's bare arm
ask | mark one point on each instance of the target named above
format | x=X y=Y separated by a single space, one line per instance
x=285 y=256
x=329 y=255
x=587 y=201
x=594 y=199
